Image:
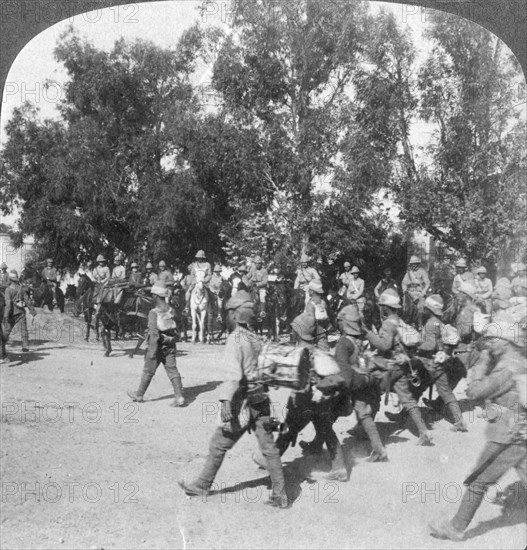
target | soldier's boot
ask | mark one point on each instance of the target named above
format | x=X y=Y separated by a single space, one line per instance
x=179 y=400
x=455 y=410
x=313 y=447
x=443 y=529
x=338 y=467
x=425 y=436
x=378 y=452
x=137 y=396
x=193 y=488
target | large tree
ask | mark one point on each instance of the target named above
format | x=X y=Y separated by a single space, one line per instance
x=471 y=194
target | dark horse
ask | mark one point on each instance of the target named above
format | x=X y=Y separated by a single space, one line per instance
x=40 y=290
x=131 y=314
x=279 y=307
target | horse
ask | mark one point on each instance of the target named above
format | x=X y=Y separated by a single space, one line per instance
x=40 y=290
x=199 y=306
x=410 y=311
x=178 y=302
x=85 y=304
x=133 y=316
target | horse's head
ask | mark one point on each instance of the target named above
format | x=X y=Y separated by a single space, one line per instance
x=200 y=286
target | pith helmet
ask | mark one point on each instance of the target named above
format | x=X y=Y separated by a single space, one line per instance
x=414 y=260
x=304 y=259
x=316 y=286
x=49 y=260
x=304 y=325
x=355 y=269
x=149 y=265
x=450 y=335
x=481 y=269
x=162 y=263
x=468 y=289
x=242 y=269
x=160 y=289
x=390 y=298
x=134 y=264
x=435 y=304
x=101 y=258
x=520 y=267
x=347 y=264
x=217 y=268
x=200 y=254
x=3 y=265
x=461 y=263
x=13 y=275
x=350 y=318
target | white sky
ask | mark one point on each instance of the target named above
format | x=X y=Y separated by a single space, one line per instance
x=163 y=24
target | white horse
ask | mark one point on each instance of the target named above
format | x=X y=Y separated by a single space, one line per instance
x=199 y=305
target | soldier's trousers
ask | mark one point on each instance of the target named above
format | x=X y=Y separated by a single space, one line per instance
x=445 y=381
x=7 y=327
x=513 y=456
x=366 y=406
x=223 y=440
x=167 y=356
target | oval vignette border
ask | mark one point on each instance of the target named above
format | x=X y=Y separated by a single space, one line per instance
x=506 y=19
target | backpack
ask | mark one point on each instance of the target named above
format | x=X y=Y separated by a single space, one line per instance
x=408 y=335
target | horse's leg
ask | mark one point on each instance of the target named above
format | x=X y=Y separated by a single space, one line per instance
x=107 y=340
x=97 y=335
x=202 y=324
x=194 y=315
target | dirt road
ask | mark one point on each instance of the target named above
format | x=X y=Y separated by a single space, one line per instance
x=83 y=467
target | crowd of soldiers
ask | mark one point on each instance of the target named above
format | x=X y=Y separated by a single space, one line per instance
x=372 y=361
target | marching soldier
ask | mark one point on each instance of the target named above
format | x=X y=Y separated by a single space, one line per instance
x=388 y=343
x=161 y=347
x=258 y=277
x=416 y=282
x=499 y=376
x=14 y=312
x=119 y=271
x=361 y=383
x=241 y=355
x=463 y=275
x=437 y=363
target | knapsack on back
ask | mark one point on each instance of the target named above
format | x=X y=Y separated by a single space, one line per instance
x=408 y=335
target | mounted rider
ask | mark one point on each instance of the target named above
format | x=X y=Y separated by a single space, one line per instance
x=198 y=270
x=135 y=277
x=355 y=290
x=416 y=282
x=100 y=276
x=384 y=284
x=258 y=278
x=484 y=289
x=463 y=275
x=150 y=277
x=164 y=275
x=50 y=274
x=519 y=283
x=304 y=275
x=119 y=271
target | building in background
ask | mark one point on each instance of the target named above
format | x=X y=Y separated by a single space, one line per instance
x=15 y=258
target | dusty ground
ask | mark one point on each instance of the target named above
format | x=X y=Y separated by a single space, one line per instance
x=82 y=467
